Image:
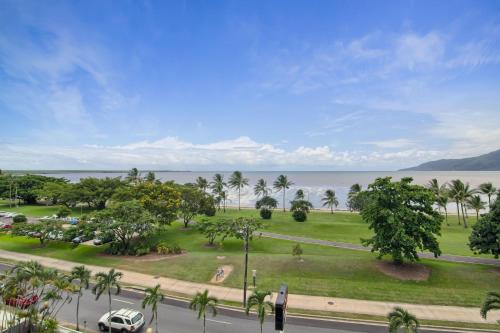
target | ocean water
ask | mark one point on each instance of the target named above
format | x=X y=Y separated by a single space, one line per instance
x=314 y=183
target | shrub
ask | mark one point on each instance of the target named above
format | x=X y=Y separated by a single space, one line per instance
x=176 y=249
x=19 y=219
x=63 y=211
x=266 y=213
x=210 y=211
x=164 y=249
x=140 y=251
x=299 y=216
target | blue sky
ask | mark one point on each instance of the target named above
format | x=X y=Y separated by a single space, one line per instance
x=252 y=85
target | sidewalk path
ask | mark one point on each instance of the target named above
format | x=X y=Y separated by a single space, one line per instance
x=315 y=303
x=350 y=246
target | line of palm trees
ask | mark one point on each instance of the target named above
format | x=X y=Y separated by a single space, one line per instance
x=237 y=182
x=464 y=196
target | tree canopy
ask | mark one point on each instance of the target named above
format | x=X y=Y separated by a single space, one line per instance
x=485 y=236
x=402 y=219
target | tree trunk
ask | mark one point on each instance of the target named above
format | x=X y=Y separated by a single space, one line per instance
x=239 y=195
x=446 y=215
x=331 y=209
x=283 y=200
x=109 y=317
x=458 y=213
x=77 y=310
x=204 y=325
x=156 y=320
x=463 y=216
x=246 y=269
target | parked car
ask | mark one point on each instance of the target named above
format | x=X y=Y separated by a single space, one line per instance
x=34 y=234
x=102 y=240
x=123 y=320
x=22 y=302
x=79 y=239
x=5 y=226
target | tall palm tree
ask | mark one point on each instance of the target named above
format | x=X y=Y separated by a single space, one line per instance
x=467 y=193
x=82 y=275
x=237 y=181
x=133 y=176
x=203 y=303
x=475 y=202
x=354 y=191
x=258 y=300
x=299 y=195
x=217 y=185
x=105 y=282
x=442 y=202
x=202 y=183
x=282 y=184
x=455 y=191
x=330 y=200
x=261 y=189
x=152 y=297
x=438 y=190
x=492 y=302
x=489 y=190
x=400 y=318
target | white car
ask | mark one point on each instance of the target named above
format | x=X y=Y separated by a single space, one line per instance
x=123 y=320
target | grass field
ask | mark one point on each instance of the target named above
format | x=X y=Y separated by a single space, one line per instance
x=40 y=210
x=349 y=228
x=325 y=271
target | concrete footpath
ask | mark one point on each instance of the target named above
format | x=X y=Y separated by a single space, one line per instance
x=312 y=303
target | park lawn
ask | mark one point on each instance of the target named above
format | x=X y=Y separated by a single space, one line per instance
x=325 y=271
x=40 y=210
x=350 y=228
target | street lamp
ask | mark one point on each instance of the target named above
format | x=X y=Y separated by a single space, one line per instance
x=254 y=276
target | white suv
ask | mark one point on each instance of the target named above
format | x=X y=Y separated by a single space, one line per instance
x=123 y=320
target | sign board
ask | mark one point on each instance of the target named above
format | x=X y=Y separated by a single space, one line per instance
x=280 y=308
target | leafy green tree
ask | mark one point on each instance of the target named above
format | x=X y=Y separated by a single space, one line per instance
x=356 y=198
x=82 y=276
x=237 y=181
x=105 y=283
x=126 y=221
x=63 y=211
x=266 y=205
x=485 y=236
x=261 y=189
x=150 y=176
x=45 y=231
x=402 y=219
x=133 y=176
x=54 y=191
x=297 y=251
x=203 y=303
x=202 y=183
x=28 y=186
x=330 y=200
x=282 y=184
x=162 y=200
x=192 y=203
x=96 y=192
x=211 y=229
x=400 y=318
x=475 y=202
x=258 y=300
x=492 y=302
x=153 y=296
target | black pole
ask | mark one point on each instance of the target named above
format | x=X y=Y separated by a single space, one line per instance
x=246 y=268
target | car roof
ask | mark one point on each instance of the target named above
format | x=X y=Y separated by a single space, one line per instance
x=126 y=313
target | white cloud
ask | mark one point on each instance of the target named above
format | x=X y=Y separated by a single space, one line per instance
x=395 y=143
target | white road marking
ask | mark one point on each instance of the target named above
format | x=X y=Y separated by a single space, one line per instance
x=120 y=300
x=218 y=321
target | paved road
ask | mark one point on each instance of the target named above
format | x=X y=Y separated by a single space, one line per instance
x=443 y=257
x=175 y=317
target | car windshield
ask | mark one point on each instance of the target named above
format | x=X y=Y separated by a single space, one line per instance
x=136 y=318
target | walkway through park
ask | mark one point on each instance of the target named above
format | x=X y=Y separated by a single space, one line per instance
x=305 y=302
x=350 y=246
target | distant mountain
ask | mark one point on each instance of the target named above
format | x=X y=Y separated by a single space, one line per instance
x=486 y=162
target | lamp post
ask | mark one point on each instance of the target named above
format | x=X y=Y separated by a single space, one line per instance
x=245 y=235
x=254 y=276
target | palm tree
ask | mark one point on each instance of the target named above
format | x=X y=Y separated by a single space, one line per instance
x=152 y=297
x=104 y=283
x=150 y=176
x=261 y=189
x=202 y=183
x=492 y=302
x=455 y=191
x=442 y=202
x=299 y=195
x=237 y=181
x=330 y=200
x=438 y=190
x=465 y=197
x=258 y=299
x=133 y=176
x=82 y=275
x=282 y=184
x=203 y=303
x=489 y=190
x=475 y=202
x=351 y=196
x=217 y=185
x=400 y=318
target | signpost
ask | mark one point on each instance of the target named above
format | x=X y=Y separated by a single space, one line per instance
x=280 y=308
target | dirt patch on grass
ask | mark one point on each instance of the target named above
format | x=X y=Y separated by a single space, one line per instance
x=407 y=272
x=222 y=274
x=153 y=256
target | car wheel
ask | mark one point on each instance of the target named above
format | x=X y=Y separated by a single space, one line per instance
x=102 y=327
x=124 y=331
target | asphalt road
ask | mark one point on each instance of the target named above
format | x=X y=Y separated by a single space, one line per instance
x=175 y=317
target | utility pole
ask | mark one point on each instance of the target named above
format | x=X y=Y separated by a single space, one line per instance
x=246 y=231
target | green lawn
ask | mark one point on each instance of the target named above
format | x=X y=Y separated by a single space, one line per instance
x=350 y=228
x=325 y=271
x=40 y=210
